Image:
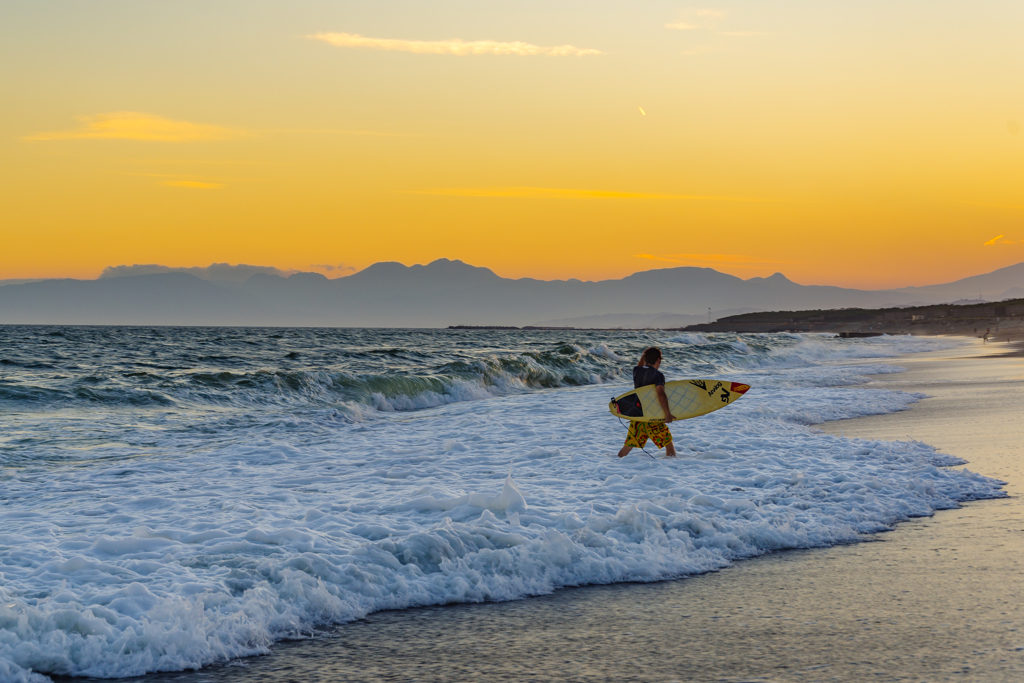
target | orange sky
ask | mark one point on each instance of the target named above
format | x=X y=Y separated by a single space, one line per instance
x=866 y=144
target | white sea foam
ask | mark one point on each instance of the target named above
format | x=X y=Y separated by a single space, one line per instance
x=694 y=338
x=209 y=549
x=603 y=350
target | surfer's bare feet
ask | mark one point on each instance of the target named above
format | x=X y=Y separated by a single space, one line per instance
x=670 y=451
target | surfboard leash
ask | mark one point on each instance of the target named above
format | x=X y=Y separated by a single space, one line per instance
x=627 y=431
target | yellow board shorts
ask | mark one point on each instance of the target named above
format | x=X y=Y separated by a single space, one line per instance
x=657 y=432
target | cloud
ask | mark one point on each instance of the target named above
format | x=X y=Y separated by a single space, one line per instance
x=564 y=193
x=215 y=272
x=194 y=184
x=706 y=20
x=730 y=260
x=1000 y=240
x=133 y=125
x=332 y=267
x=693 y=19
x=451 y=47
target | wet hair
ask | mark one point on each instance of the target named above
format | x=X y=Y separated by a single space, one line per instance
x=651 y=356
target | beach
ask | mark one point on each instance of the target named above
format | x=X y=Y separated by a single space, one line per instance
x=937 y=598
x=511 y=341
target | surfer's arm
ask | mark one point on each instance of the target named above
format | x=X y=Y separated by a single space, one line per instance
x=663 y=401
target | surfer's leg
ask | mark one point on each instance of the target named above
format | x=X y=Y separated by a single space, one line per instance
x=662 y=438
x=635 y=438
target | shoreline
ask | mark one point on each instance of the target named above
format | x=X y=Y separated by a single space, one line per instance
x=912 y=603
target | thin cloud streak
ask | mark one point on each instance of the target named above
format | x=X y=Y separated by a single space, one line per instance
x=454 y=46
x=705 y=19
x=565 y=193
x=133 y=125
x=1000 y=240
x=130 y=125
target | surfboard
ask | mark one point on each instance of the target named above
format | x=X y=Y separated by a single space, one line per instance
x=686 y=398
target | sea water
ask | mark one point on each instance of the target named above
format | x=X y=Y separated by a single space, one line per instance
x=176 y=497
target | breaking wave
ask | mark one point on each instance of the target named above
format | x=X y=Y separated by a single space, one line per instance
x=414 y=380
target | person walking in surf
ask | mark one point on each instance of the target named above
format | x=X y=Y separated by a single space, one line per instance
x=645 y=373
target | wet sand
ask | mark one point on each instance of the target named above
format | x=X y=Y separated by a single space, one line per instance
x=937 y=599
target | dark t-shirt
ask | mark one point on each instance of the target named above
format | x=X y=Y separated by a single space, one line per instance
x=645 y=374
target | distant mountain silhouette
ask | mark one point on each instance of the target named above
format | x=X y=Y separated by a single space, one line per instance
x=1013 y=293
x=20 y=281
x=994 y=286
x=215 y=272
x=159 y=299
x=439 y=294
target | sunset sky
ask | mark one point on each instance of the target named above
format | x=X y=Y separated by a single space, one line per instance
x=865 y=144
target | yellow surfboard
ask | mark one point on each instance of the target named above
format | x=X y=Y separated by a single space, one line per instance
x=686 y=398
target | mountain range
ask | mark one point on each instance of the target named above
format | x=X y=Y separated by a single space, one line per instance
x=442 y=293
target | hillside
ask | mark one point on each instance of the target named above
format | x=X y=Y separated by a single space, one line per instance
x=438 y=294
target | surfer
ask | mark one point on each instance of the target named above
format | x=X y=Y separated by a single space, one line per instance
x=645 y=373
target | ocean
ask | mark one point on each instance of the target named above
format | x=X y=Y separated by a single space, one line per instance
x=172 y=498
